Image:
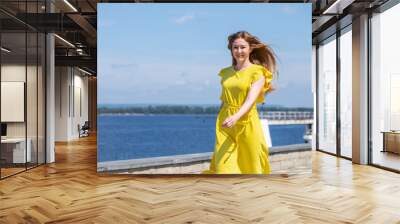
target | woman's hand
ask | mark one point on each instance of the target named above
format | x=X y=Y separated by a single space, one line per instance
x=270 y=89
x=230 y=121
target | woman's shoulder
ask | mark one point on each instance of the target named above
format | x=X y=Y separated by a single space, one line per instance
x=258 y=69
x=225 y=70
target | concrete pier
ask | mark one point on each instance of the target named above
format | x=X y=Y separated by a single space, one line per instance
x=283 y=159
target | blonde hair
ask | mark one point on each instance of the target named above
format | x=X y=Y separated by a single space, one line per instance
x=261 y=53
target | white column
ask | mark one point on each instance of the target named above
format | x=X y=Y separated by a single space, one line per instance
x=50 y=92
x=360 y=90
x=50 y=99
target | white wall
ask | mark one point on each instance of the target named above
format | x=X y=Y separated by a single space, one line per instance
x=62 y=81
x=12 y=73
x=80 y=115
x=71 y=87
x=33 y=126
x=15 y=72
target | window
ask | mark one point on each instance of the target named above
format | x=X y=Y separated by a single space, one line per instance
x=385 y=88
x=327 y=95
x=346 y=75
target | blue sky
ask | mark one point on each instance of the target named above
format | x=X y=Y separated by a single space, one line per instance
x=171 y=53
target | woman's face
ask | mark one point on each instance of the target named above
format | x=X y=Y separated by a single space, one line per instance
x=240 y=50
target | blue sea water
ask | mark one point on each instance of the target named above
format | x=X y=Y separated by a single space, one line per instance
x=141 y=136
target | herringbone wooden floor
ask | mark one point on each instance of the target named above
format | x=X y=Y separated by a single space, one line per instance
x=70 y=191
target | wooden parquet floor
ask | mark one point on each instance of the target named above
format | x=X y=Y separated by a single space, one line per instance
x=70 y=191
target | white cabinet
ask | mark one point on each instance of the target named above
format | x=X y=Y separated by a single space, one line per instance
x=17 y=146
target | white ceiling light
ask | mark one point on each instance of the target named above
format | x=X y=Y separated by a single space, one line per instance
x=65 y=41
x=86 y=72
x=338 y=6
x=79 y=51
x=5 y=49
x=71 y=6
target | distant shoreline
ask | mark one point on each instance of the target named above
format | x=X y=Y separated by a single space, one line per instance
x=182 y=110
x=137 y=114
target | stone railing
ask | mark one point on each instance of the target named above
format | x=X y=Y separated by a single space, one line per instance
x=287 y=115
x=283 y=159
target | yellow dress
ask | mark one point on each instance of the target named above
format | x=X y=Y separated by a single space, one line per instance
x=240 y=149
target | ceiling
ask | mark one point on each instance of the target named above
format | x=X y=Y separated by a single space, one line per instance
x=75 y=21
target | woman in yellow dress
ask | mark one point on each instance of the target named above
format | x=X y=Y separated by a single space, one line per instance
x=240 y=146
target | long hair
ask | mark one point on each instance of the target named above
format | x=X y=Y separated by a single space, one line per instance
x=261 y=53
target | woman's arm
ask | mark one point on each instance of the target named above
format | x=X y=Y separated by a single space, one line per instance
x=254 y=91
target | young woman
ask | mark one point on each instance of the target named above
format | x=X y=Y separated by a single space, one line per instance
x=240 y=146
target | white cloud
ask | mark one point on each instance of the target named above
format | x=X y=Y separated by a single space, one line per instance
x=180 y=82
x=184 y=19
x=105 y=23
x=289 y=10
x=123 y=65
